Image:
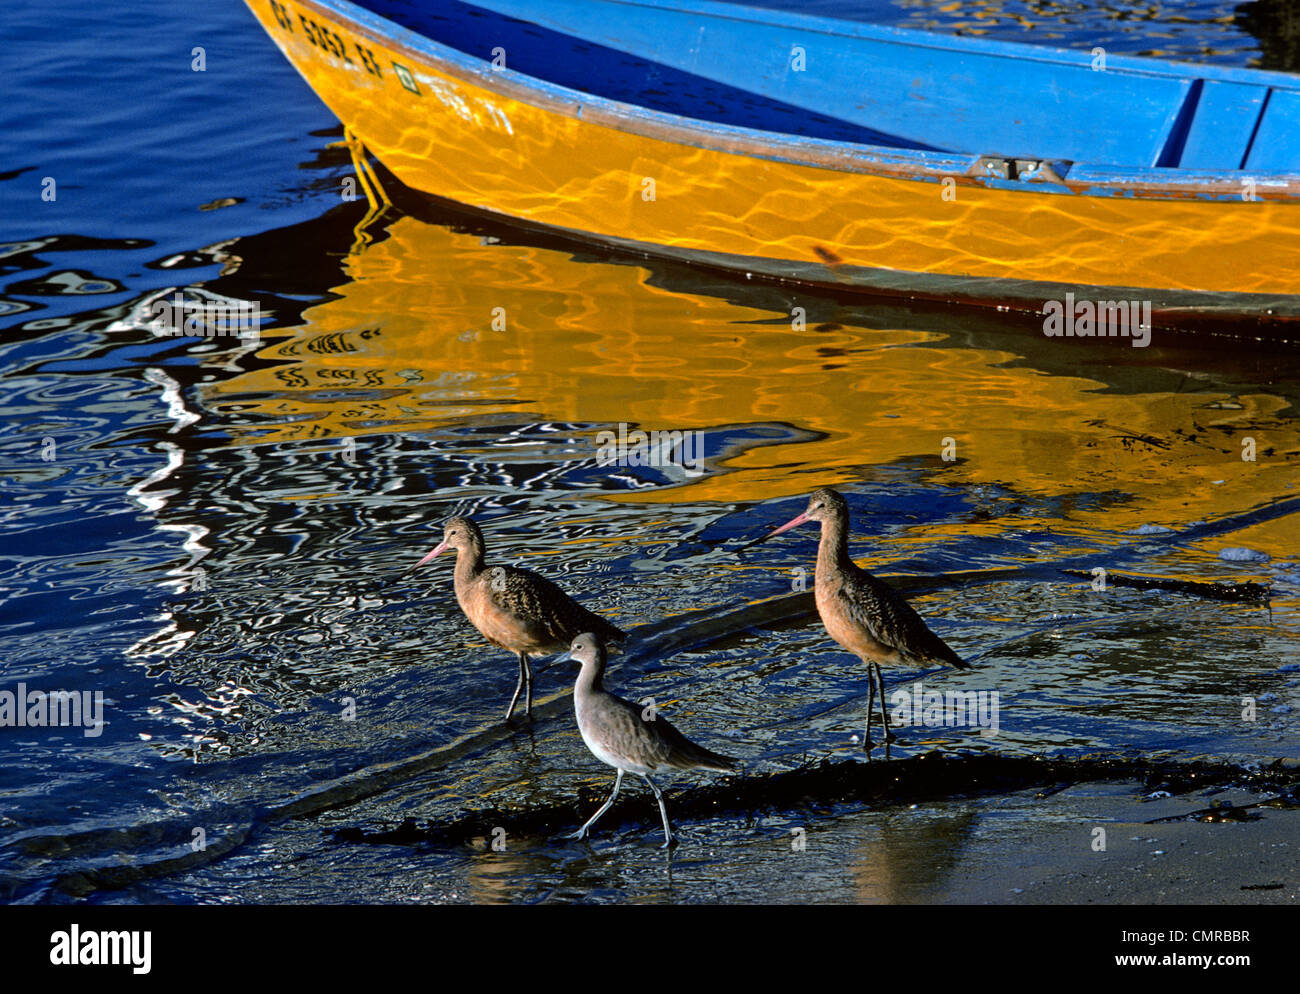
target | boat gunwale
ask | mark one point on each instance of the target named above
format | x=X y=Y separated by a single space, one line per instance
x=1140 y=182
x=1018 y=50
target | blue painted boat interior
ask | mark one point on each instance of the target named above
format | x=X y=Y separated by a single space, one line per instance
x=866 y=85
x=590 y=67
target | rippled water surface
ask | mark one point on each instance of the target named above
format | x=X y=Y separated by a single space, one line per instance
x=207 y=531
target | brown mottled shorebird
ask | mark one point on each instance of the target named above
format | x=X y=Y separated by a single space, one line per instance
x=630 y=738
x=515 y=608
x=860 y=612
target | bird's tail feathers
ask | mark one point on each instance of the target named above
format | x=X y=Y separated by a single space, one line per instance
x=699 y=758
x=613 y=636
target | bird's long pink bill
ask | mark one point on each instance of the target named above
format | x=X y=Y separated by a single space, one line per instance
x=792 y=523
x=441 y=547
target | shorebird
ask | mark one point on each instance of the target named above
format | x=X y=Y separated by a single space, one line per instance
x=514 y=608
x=628 y=737
x=862 y=613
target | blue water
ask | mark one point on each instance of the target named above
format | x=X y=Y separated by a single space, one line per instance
x=224 y=703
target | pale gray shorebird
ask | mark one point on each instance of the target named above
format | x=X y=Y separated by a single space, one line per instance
x=515 y=608
x=628 y=737
x=862 y=613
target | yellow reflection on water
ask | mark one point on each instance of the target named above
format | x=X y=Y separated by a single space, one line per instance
x=435 y=327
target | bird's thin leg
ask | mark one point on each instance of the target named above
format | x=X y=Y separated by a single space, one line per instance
x=518 y=686
x=884 y=718
x=871 y=706
x=669 y=838
x=528 y=682
x=582 y=832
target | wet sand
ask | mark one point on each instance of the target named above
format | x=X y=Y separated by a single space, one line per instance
x=1042 y=852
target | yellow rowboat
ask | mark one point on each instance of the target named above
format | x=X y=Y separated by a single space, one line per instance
x=835 y=154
